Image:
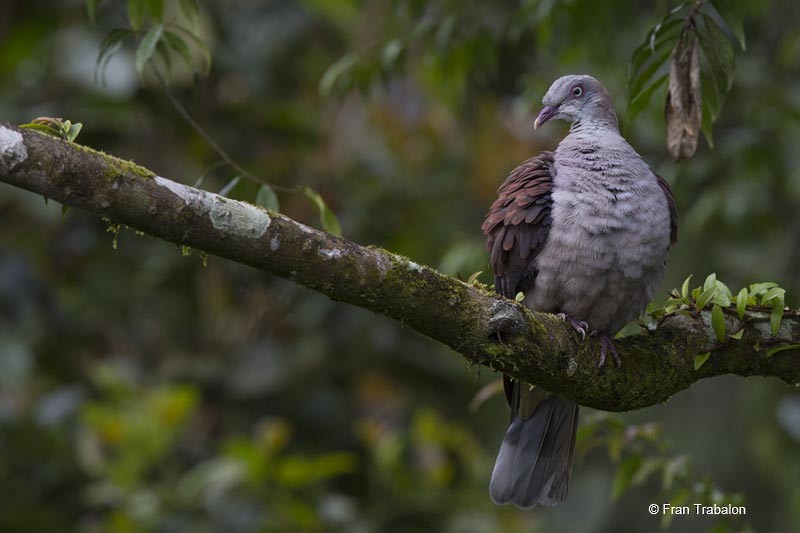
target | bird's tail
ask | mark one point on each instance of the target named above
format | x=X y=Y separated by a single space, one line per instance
x=535 y=459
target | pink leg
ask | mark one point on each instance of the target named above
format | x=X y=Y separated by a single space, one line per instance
x=607 y=345
x=578 y=325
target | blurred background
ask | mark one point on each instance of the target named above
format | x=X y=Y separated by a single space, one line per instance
x=143 y=388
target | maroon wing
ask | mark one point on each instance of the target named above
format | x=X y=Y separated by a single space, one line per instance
x=518 y=222
x=673 y=210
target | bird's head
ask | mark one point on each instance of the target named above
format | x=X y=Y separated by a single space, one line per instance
x=577 y=99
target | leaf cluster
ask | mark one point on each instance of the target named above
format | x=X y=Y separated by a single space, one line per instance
x=710 y=27
x=55 y=127
x=155 y=34
x=757 y=299
x=643 y=457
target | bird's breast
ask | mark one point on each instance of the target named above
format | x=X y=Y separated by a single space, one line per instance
x=607 y=244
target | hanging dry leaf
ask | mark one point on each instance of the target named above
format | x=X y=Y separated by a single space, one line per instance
x=684 y=102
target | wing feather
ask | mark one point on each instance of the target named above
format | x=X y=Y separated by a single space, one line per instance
x=673 y=209
x=518 y=223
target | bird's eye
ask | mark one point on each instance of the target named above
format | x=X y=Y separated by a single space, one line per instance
x=577 y=91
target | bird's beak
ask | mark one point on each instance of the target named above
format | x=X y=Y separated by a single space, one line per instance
x=547 y=112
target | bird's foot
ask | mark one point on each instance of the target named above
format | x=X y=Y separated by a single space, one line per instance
x=607 y=346
x=578 y=325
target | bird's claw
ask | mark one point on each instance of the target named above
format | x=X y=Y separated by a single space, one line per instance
x=578 y=325
x=606 y=346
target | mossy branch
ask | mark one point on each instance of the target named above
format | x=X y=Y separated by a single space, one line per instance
x=486 y=329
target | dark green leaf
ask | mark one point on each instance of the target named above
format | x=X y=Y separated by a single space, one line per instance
x=163 y=52
x=640 y=80
x=675 y=301
x=108 y=46
x=229 y=186
x=586 y=431
x=175 y=42
x=651 y=45
x=64 y=210
x=624 y=475
x=733 y=20
x=701 y=359
x=711 y=105
x=190 y=9
x=266 y=197
x=199 y=43
x=773 y=351
x=329 y=221
x=719 y=53
x=661 y=31
x=91 y=8
x=776 y=315
x=720 y=527
x=136 y=13
x=642 y=100
x=741 y=302
x=147 y=47
x=718 y=322
x=156 y=10
x=41 y=128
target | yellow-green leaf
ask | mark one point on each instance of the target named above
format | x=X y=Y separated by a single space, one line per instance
x=625 y=473
x=685 y=286
x=741 y=302
x=473 y=277
x=737 y=335
x=136 y=12
x=704 y=297
x=701 y=359
x=775 y=317
x=73 y=131
x=773 y=351
x=266 y=197
x=718 y=322
x=329 y=221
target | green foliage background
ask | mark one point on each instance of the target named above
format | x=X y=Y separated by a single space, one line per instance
x=141 y=390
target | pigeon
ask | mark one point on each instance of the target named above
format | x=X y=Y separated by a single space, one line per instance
x=582 y=232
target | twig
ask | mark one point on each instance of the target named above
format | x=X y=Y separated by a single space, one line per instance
x=205 y=135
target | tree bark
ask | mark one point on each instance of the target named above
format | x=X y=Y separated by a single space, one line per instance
x=485 y=328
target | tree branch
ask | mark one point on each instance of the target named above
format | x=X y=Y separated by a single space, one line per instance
x=485 y=328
